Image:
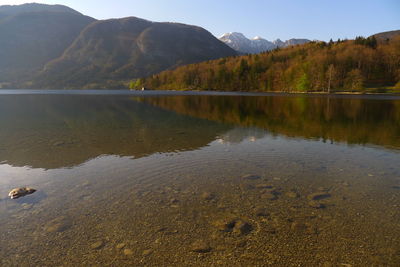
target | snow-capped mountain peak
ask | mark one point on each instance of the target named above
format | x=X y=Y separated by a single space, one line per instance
x=241 y=43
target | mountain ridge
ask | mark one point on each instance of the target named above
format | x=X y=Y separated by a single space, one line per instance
x=383 y=36
x=9 y=10
x=239 y=42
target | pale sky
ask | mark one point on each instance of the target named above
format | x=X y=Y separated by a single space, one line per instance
x=270 y=19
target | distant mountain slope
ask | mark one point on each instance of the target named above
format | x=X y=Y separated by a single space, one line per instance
x=32 y=35
x=121 y=49
x=242 y=44
x=386 y=35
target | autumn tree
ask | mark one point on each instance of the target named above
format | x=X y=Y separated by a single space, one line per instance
x=354 y=80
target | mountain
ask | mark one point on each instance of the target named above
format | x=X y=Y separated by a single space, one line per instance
x=128 y=48
x=293 y=41
x=242 y=44
x=383 y=36
x=34 y=34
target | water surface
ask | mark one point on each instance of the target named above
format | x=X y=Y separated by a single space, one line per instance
x=199 y=180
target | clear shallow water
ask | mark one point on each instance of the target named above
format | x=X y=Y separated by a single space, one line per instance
x=166 y=178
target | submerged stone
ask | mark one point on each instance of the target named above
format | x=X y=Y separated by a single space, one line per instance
x=200 y=246
x=237 y=226
x=225 y=225
x=292 y=194
x=242 y=227
x=251 y=177
x=269 y=196
x=58 y=143
x=315 y=204
x=97 y=245
x=264 y=186
x=27 y=206
x=318 y=196
x=298 y=226
x=261 y=212
x=207 y=196
x=147 y=252
x=58 y=224
x=128 y=252
x=173 y=201
x=120 y=245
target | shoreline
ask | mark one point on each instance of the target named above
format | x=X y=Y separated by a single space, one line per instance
x=192 y=92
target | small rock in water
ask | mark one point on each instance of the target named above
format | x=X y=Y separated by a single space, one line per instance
x=242 y=227
x=322 y=189
x=200 y=246
x=251 y=177
x=237 y=226
x=327 y=264
x=269 y=196
x=120 y=245
x=27 y=206
x=298 y=226
x=20 y=192
x=174 y=201
x=292 y=194
x=207 y=196
x=59 y=224
x=128 y=252
x=315 y=204
x=58 y=143
x=262 y=212
x=147 y=252
x=318 y=196
x=97 y=245
x=225 y=225
x=264 y=186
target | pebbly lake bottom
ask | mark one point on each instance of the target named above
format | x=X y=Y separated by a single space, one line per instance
x=235 y=196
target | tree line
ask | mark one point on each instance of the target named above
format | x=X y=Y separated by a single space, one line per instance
x=349 y=65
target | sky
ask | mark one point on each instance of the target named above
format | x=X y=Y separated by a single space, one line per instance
x=270 y=19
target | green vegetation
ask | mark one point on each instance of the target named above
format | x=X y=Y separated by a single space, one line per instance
x=135 y=84
x=360 y=65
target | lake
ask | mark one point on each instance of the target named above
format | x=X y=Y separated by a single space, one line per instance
x=162 y=179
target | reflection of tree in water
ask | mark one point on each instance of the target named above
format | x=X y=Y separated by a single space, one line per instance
x=347 y=119
x=64 y=131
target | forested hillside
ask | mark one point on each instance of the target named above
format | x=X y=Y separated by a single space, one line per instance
x=113 y=50
x=351 y=65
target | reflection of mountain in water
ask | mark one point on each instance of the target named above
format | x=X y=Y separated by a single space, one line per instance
x=351 y=120
x=64 y=131
x=238 y=135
